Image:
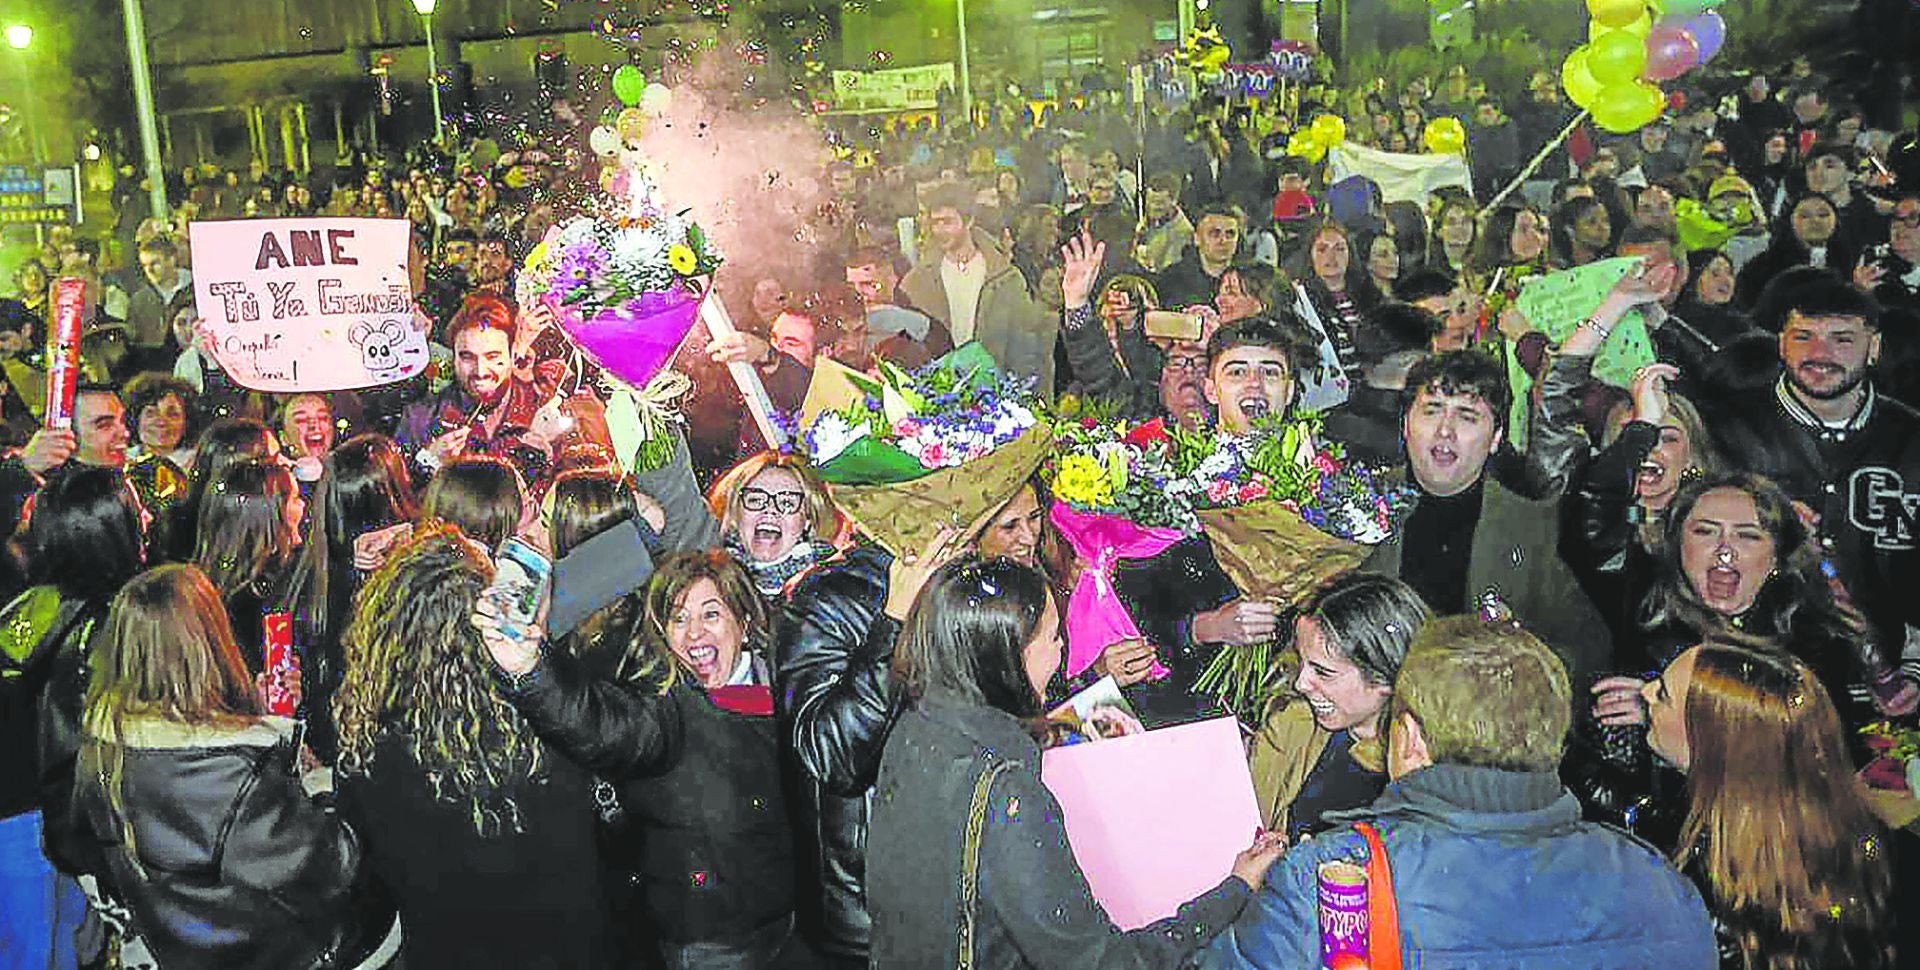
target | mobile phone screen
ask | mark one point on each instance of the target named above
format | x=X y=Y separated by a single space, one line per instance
x=521 y=580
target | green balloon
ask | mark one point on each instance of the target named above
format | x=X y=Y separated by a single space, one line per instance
x=1616 y=57
x=628 y=83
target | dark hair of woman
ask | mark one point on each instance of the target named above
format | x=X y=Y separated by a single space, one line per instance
x=1494 y=248
x=245 y=540
x=85 y=535
x=1565 y=216
x=587 y=502
x=480 y=494
x=966 y=635
x=225 y=443
x=1370 y=619
x=363 y=487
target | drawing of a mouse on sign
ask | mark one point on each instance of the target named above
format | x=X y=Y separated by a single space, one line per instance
x=385 y=350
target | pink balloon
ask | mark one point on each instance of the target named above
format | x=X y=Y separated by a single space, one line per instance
x=1709 y=33
x=1671 y=52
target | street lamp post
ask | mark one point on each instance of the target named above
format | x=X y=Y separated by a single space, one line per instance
x=20 y=37
x=966 y=77
x=425 y=9
x=143 y=105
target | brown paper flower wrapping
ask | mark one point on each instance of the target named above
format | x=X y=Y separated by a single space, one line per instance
x=905 y=516
x=1271 y=553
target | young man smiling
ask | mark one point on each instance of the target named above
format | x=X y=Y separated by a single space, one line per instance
x=1849 y=455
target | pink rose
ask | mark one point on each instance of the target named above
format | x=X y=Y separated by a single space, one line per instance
x=1252 y=491
x=933 y=455
x=1325 y=465
x=1219 y=491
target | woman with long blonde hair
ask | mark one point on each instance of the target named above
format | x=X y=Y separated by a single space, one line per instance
x=1792 y=860
x=218 y=849
x=484 y=834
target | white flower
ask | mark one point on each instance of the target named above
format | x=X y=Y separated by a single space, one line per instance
x=832 y=434
x=1363 y=528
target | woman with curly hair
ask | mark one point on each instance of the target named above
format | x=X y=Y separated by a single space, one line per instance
x=1793 y=863
x=483 y=833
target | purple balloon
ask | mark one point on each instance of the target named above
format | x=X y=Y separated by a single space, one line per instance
x=634 y=340
x=1709 y=32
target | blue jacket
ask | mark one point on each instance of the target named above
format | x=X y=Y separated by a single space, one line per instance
x=1493 y=869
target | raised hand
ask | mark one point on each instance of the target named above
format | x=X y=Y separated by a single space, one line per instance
x=1080 y=267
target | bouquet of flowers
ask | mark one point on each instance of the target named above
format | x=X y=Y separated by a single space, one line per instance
x=624 y=281
x=905 y=453
x=1285 y=513
x=1113 y=500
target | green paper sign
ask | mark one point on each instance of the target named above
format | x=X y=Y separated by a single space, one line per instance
x=1555 y=304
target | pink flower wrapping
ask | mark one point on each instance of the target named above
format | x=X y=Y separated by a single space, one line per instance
x=1096 y=619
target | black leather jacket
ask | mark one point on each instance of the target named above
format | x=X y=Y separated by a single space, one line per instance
x=833 y=646
x=236 y=866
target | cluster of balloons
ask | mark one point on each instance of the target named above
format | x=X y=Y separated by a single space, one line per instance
x=1616 y=75
x=639 y=100
x=1443 y=136
x=1312 y=142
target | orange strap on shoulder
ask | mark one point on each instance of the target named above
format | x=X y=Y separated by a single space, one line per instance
x=1383 y=909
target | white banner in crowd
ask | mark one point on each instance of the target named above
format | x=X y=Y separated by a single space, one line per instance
x=306 y=304
x=891 y=89
x=1402 y=177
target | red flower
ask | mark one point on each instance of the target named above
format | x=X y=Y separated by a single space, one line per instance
x=1252 y=491
x=1089 y=423
x=1142 y=436
x=1219 y=490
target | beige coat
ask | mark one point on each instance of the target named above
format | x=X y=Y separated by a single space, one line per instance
x=1017 y=331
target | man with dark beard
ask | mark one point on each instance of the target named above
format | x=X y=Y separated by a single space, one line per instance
x=1850 y=458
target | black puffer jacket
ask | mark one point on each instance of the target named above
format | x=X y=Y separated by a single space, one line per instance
x=236 y=866
x=833 y=645
x=1162 y=594
x=715 y=858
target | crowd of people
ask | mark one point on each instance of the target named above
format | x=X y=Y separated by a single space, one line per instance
x=1666 y=609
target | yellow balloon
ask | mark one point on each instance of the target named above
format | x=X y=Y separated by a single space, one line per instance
x=1616 y=13
x=1576 y=80
x=1629 y=107
x=1329 y=130
x=1444 y=136
x=1640 y=27
x=631 y=123
x=1304 y=145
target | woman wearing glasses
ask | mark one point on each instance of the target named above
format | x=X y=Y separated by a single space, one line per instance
x=775 y=518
